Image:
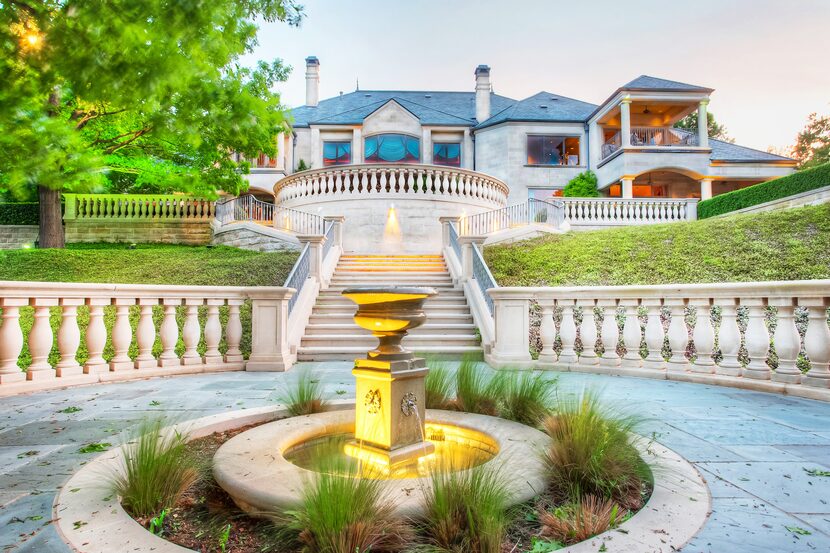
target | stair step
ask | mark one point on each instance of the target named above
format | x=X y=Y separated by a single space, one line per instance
x=350 y=310
x=351 y=353
x=427 y=329
x=452 y=317
x=411 y=340
x=442 y=293
x=327 y=301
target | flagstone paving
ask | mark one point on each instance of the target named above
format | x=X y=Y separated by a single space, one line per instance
x=762 y=454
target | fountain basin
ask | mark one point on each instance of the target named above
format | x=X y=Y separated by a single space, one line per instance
x=253 y=469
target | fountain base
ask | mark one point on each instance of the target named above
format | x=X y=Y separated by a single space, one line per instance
x=388 y=460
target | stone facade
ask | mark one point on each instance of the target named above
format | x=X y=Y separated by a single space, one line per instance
x=13 y=237
x=194 y=233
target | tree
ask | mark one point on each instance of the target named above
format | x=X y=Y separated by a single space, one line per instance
x=715 y=129
x=584 y=185
x=151 y=88
x=812 y=146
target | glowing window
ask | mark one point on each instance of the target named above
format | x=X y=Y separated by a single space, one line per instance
x=392 y=148
x=447 y=154
x=552 y=150
x=337 y=153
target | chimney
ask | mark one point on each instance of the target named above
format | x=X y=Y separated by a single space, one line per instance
x=312 y=81
x=482 y=93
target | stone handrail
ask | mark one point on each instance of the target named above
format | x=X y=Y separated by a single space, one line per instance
x=625 y=211
x=528 y=212
x=658 y=315
x=248 y=208
x=137 y=207
x=391 y=180
x=269 y=349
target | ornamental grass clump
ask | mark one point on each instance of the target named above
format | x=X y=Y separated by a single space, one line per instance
x=475 y=391
x=156 y=470
x=465 y=511
x=343 y=511
x=592 y=454
x=526 y=397
x=575 y=522
x=438 y=385
x=304 y=396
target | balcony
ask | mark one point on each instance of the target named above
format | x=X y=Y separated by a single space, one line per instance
x=660 y=138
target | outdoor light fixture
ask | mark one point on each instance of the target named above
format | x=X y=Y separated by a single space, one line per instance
x=646 y=111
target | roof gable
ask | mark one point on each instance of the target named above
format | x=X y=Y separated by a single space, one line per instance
x=543 y=107
x=647 y=82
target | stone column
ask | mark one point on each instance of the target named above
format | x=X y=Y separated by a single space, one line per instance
x=705 y=188
x=594 y=145
x=315 y=252
x=316 y=160
x=703 y=125
x=269 y=330
x=625 y=122
x=357 y=145
x=280 y=152
x=466 y=243
x=511 y=315
x=627 y=185
x=426 y=144
x=468 y=151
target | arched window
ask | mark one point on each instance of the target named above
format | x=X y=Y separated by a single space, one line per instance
x=392 y=148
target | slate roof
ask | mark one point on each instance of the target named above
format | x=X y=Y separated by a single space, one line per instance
x=543 y=107
x=726 y=151
x=647 y=82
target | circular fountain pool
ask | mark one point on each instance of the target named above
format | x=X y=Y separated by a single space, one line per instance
x=264 y=469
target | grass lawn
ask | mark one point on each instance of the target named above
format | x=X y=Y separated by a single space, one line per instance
x=791 y=244
x=148 y=264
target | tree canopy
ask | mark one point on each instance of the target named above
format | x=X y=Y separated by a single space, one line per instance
x=136 y=94
x=812 y=146
x=716 y=130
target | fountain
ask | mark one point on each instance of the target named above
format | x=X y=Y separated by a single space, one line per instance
x=389 y=431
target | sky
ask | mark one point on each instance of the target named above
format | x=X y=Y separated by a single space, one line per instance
x=768 y=60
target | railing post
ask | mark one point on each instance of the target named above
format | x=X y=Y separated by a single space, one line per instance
x=511 y=316
x=69 y=210
x=315 y=253
x=269 y=329
x=467 y=243
x=337 y=221
x=445 y=229
x=691 y=209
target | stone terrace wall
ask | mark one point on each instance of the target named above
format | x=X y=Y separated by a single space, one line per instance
x=252 y=236
x=13 y=237
x=167 y=232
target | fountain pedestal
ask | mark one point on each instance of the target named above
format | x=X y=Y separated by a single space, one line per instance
x=390 y=398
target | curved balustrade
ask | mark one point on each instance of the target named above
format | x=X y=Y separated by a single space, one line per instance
x=620 y=212
x=397 y=181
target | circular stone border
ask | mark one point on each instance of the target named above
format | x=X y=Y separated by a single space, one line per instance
x=90 y=519
x=252 y=469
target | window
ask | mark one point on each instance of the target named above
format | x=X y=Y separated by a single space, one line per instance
x=337 y=153
x=392 y=148
x=447 y=154
x=552 y=150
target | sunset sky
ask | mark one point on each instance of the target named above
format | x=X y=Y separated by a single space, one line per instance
x=768 y=60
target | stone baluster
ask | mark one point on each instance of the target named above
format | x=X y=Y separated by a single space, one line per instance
x=11 y=340
x=233 y=332
x=787 y=342
x=547 y=332
x=567 y=332
x=703 y=336
x=69 y=338
x=145 y=334
x=678 y=336
x=169 y=334
x=816 y=343
x=654 y=334
x=213 y=332
x=729 y=338
x=40 y=340
x=588 y=334
x=609 y=332
x=122 y=335
x=631 y=333
x=191 y=332
x=756 y=340
x=96 y=336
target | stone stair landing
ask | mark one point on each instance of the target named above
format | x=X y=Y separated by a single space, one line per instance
x=332 y=334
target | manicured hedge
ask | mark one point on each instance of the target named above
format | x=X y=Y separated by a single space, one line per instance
x=790 y=185
x=19 y=213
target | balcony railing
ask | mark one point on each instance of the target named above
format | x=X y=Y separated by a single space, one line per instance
x=248 y=208
x=392 y=181
x=652 y=137
x=624 y=212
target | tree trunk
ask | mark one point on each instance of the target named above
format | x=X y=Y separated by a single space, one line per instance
x=50 y=234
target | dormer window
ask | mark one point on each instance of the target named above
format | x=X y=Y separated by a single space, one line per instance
x=392 y=148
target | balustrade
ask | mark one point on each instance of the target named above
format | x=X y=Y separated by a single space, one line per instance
x=392 y=180
x=137 y=207
x=621 y=212
x=249 y=209
x=651 y=137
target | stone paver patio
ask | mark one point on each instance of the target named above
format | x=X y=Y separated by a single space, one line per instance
x=753 y=448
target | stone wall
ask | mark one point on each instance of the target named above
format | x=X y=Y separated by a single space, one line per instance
x=13 y=237
x=192 y=233
x=251 y=236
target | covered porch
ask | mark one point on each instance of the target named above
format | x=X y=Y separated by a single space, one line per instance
x=676 y=184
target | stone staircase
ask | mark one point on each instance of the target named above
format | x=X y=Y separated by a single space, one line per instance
x=332 y=334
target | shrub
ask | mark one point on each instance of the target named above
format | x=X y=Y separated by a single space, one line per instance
x=438 y=384
x=156 y=470
x=525 y=397
x=305 y=396
x=591 y=453
x=346 y=514
x=19 y=213
x=301 y=166
x=466 y=511
x=475 y=392
x=584 y=185
x=576 y=522
x=802 y=181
